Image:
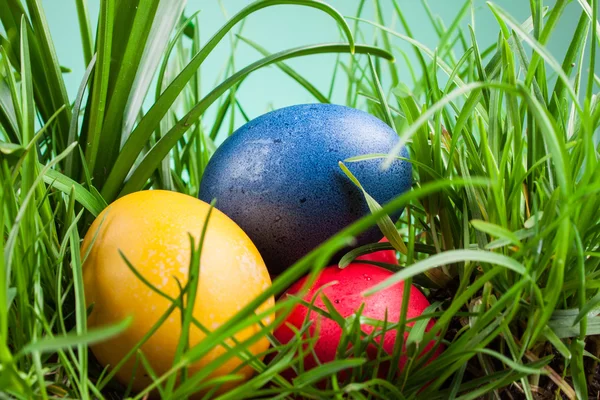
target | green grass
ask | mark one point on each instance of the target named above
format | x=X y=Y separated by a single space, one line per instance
x=501 y=229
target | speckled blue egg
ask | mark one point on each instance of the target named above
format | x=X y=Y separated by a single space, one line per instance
x=278 y=177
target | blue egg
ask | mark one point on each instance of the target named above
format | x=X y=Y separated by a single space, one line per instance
x=278 y=177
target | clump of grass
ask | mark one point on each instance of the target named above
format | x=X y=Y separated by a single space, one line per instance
x=501 y=227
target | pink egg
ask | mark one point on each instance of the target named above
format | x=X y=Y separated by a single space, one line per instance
x=345 y=293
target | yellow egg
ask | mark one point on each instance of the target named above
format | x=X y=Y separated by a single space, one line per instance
x=151 y=229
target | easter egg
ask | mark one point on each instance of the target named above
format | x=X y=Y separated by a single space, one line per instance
x=382 y=256
x=278 y=177
x=151 y=229
x=344 y=288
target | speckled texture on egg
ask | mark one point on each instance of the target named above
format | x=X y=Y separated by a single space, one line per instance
x=278 y=177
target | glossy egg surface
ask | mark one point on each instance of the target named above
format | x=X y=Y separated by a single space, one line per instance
x=278 y=177
x=151 y=229
x=344 y=288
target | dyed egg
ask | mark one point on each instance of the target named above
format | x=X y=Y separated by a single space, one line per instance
x=344 y=288
x=151 y=229
x=382 y=256
x=278 y=177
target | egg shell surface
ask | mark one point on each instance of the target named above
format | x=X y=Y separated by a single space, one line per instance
x=382 y=256
x=344 y=288
x=151 y=229
x=278 y=177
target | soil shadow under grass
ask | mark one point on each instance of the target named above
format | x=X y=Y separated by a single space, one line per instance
x=547 y=389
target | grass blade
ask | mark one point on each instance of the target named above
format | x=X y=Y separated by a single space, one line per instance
x=85 y=30
x=449 y=257
x=290 y=72
x=170 y=13
x=53 y=344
